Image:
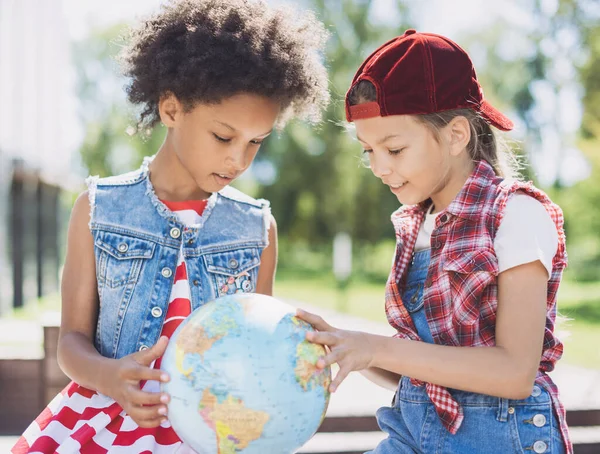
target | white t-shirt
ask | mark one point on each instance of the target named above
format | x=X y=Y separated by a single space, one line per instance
x=526 y=234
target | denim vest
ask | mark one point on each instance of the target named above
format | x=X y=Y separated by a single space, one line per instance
x=137 y=241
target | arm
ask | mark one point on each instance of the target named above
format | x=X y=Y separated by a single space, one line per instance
x=506 y=370
x=384 y=378
x=268 y=263
x=76 y=353
x=77 y=356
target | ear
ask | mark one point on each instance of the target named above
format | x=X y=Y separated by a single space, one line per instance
x=459 y=131
x=169 y=109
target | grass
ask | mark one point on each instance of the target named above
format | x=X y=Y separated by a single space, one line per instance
x=364 y=300
x=35 y=309
x=578 y=302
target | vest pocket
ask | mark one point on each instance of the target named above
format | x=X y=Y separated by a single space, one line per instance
x=120 y=258
x=469 y=274
x=233 y=271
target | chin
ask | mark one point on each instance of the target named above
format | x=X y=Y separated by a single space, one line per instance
x=408 y=200
x=207 y=187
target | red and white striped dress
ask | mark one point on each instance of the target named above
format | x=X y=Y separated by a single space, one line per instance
x=84 y=421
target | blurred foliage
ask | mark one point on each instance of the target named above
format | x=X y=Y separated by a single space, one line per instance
x=110 y=145
x=580 y=201
x=313 y=175
x=321 y=186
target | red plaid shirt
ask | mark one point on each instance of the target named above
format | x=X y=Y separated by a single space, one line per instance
x=461 y=293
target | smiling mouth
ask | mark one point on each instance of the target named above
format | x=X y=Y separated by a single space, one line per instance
x=223 y=178
x=397 y=186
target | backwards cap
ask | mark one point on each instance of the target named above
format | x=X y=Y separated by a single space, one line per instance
x=422 y=73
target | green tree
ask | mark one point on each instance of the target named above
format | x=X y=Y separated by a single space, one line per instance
x=321 y=186
x=110 y=145
x=580 y=201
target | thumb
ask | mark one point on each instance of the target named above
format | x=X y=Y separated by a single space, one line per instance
x=146 y=357
x=315 y=320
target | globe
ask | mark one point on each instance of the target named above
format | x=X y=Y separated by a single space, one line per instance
x=244 y=379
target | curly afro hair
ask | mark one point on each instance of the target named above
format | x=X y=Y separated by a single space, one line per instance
x=204 y=51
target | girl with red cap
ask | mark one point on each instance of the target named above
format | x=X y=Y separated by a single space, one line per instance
x=479 y=258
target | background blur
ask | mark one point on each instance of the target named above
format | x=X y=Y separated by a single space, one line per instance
x=63 y=116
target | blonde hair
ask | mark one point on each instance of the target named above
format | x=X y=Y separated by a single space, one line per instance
x=484 y=145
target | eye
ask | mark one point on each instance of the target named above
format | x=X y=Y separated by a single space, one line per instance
x=367 y=151
x=395 y=152
x=257 y=142
x=221 y=139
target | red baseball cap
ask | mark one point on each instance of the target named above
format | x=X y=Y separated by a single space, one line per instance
x=422 y=73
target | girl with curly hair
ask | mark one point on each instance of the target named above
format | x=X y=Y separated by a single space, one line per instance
x=148 y=247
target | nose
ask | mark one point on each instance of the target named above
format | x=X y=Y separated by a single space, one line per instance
x=237 y=160
x=379 y=167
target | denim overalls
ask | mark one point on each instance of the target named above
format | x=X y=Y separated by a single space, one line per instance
x=491 y=424
x=137 y=240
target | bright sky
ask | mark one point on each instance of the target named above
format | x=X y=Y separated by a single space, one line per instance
x=440 y=16
x=84 y=15
x=451 y=18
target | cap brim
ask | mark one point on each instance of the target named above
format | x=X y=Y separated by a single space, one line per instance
x=495 y=117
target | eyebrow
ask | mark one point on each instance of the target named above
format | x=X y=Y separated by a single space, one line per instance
x=235 y=130
x=384 y=139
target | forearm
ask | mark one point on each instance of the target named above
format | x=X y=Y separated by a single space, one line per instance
x=484 y=370
x=381 y=377
x=82 y=363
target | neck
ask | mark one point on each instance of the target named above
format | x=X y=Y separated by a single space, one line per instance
x=171 y=179
x=455 y=180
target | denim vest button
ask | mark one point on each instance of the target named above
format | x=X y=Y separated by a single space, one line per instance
x=511 y=410
x=156 y=312
x=175 y=233
x=536 y=391
x=539 y=420
x=196 y=282
x=143 y=347
x=123 y=247
x=540 y=446
x=166 y=272
x=233 y=264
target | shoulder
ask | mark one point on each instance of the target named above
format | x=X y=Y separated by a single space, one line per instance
x=237 y=196
x=527 y=217
x=81 y=212
x=82 y=204
x=526 y=233
x=519 y=195
x=124 y=179
x=523 y=209
x=507 y=189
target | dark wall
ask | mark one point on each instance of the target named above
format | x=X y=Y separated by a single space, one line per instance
x=30 y=226
x=6 y=285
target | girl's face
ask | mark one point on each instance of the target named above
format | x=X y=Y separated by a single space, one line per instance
x=406 y=156
x=216 y=143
